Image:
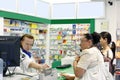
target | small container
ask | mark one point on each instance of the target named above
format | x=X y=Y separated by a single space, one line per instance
x=42 y=61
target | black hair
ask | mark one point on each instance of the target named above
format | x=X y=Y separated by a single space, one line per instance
x=96 y=40
x=113 y=48
x=96 y=37
x=88 y=36
x=106 y=35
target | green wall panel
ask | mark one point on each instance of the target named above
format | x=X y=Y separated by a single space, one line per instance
x=18 y=16
x=68 y=21
x=75 y=21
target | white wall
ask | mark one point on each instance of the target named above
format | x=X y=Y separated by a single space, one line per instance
x=118 y=14
x=1 y=25
x=110 y=21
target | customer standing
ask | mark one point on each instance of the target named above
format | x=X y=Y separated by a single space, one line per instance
x=107 y=50
x=91 y=60
x=90 y=64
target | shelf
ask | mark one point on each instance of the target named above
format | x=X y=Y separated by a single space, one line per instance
x=64 y=38
x=18 y=27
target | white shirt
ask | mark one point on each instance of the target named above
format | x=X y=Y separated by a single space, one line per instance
x=109 y=54
x=89 y=62
x=25 y=60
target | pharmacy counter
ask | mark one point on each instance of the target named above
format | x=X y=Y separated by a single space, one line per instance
x=53 y=76
x=68 y=71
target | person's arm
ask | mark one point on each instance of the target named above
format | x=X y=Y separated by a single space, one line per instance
x=38 y=66
x=77 y=70
x=80 y=65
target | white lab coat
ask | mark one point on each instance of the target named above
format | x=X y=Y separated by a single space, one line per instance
x=25 y=60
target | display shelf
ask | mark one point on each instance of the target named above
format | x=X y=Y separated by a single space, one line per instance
x=38 y=30
x=64 y=37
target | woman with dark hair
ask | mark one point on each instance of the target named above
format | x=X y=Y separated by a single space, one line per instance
x=87 y=65
x=107 y=50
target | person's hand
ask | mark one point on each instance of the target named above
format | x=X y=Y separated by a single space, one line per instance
x=44 y=66
x=107 y=59
x=67 y=77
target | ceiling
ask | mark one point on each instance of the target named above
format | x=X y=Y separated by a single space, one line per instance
x=65 y=1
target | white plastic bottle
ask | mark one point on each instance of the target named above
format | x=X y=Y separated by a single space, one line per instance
x=1 y=69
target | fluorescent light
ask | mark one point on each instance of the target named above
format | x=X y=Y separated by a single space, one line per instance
x=65 y=1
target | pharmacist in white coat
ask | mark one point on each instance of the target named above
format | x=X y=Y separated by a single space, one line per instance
x=27 y=60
